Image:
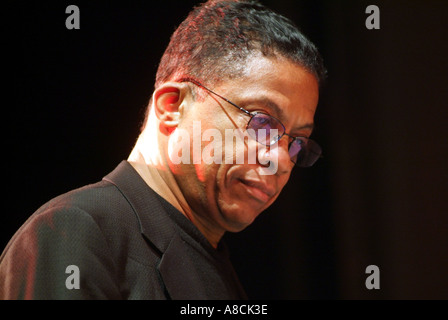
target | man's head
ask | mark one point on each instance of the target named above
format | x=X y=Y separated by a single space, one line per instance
x=258 y=61
x=217 y=38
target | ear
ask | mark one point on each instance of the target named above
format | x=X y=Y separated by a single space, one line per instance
x=169 y=100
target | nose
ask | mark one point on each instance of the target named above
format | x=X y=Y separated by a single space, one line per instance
x=277 y=157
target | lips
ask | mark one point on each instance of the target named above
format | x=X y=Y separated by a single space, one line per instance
x=258 y=189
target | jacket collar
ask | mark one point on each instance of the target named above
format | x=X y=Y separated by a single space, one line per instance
x=146 y=205
x=159 y=230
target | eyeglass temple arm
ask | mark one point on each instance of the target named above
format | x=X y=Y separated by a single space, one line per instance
x=211 y=91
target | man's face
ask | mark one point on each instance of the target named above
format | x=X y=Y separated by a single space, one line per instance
x=229 y=196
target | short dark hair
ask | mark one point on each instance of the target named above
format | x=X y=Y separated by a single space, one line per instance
x=217 y=37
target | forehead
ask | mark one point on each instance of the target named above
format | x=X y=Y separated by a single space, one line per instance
x=284 y=88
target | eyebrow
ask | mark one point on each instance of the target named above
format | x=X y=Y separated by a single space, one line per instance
x=264 y=100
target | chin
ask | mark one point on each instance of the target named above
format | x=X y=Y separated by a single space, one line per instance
x=235 y=227
x=238 y=221
x=237 y=213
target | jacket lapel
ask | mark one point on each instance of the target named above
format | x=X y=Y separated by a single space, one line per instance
x=179 y=273
x=176 y=268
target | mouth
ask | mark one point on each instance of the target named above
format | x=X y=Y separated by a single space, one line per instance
x=258 y=190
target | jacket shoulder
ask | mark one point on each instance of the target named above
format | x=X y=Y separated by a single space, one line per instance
x=93 y=228
x=34 y=264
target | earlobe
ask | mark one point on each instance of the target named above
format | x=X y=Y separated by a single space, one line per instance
x=168 y=100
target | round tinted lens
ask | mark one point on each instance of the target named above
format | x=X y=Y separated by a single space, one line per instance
x=308 y=154
x=265 y=129
x=294 y=149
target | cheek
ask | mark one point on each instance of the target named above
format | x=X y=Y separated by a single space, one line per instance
x=239 y=148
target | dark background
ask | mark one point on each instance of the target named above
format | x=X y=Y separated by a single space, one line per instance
x=74 y=101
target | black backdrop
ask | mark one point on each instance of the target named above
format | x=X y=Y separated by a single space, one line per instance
x=74 y=101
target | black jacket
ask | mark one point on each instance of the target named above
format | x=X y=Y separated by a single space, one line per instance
x=127 y=242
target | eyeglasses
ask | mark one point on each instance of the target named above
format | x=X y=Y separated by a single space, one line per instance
x=268 y=130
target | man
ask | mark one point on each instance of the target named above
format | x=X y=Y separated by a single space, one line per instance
x=152 y=228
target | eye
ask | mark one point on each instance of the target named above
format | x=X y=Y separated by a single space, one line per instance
x=261 y=119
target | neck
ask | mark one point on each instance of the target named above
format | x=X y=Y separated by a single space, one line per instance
x=155 y=171
x=156 y=175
